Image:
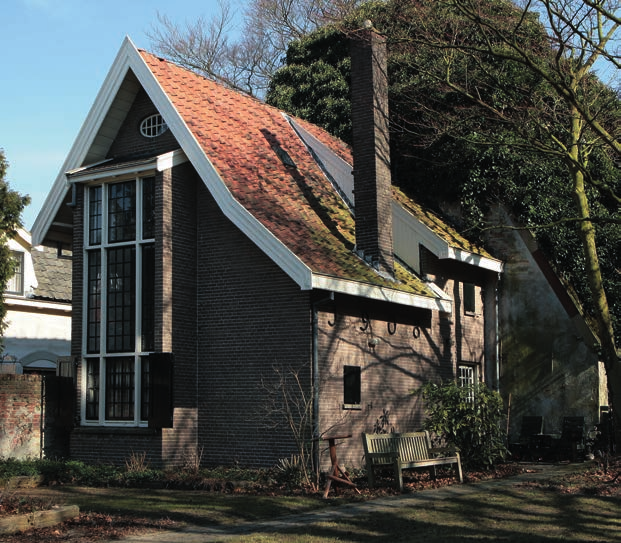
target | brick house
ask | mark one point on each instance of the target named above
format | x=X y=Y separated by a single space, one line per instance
x=217 y=261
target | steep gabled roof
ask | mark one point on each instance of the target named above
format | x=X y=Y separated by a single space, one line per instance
x=260 y=171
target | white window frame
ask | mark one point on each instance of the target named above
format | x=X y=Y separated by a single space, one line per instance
x=474 y=310
x=137 y=353
x=18 y=277
x=467 y=377
x=153 y=126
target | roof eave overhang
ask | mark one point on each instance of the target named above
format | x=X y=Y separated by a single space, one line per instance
x=31 y=303
x=473 y=259
x=156 y=164
x=441 y=302
x=440 y=247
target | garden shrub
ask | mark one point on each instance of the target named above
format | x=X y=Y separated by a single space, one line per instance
x=471 y=418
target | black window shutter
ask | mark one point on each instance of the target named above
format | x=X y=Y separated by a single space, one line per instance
x=63 y=387
x=161 y=390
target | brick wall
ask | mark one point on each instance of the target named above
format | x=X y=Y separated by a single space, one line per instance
x=252 y=319
x=472 y=334
x=177 y=306
x=398 y=350
x=20 y=406
x=35 y=416
x=109 y=445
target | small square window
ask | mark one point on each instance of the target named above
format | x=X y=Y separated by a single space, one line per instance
x=469 y=299
x=351 y=387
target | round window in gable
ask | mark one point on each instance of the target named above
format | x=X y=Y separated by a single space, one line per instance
x=153 y=126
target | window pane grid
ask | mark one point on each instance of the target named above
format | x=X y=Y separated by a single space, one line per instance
x=467 y=380
x=122 y=212
x=93 y=324
x=145 y=384
x=15 y=284
x=121 y=300
x=153 y=126
x=120 y=388
x=118 y=217
x=148 y=208
x=148 y=297
x=95 y=215
x=92 y=389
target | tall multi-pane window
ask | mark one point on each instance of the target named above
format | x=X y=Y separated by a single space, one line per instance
x=15 y=284
x=119 y=295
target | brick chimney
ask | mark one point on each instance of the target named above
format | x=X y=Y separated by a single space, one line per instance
x=371 y=149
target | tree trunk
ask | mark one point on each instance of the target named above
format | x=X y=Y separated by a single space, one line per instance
x=593 y=272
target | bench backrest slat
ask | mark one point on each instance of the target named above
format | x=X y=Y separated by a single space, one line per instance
x=413 y=446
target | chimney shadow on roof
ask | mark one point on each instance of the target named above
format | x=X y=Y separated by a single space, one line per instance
x=307 y=191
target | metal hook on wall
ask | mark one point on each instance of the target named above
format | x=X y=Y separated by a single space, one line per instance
x=334 y=317
x=392 y=328
x=365 y=322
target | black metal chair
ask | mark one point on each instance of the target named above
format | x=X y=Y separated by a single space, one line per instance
x=571 y=445
x=523 y=448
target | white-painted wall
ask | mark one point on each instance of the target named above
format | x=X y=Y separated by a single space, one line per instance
x=37 y=332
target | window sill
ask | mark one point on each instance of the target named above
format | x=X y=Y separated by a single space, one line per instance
x=122 y=430
x=352 y=407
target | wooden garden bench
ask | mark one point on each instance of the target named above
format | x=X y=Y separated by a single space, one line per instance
x=405 y=451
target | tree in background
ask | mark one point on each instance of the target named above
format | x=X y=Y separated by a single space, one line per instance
x=569 y=117
x=246 y=63
x=11 y=207
x=491 y=102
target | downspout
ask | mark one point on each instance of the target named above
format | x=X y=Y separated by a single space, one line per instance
x=497 y=330
x=315 y=377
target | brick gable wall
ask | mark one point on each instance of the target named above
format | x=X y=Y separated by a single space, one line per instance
x=130 y=142
x=175 y=308
x=252 y=319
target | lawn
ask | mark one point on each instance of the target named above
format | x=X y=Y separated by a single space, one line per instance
x=579 y=503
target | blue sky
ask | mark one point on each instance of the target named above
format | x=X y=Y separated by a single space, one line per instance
x=55 y=56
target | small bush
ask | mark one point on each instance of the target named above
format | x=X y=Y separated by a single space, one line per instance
x=192 y=461
x=136 y=463
x=471 y=418
x=291 y=472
